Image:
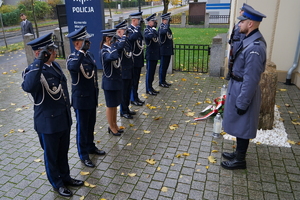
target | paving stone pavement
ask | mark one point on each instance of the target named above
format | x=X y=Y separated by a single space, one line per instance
x=272 y=173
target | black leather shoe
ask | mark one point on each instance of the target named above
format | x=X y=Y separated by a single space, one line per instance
x=151 y=93
x=127 y=116
x=98 y=152
x=163 y=85
x=168 y=84
x=88 y=163
x=132 y=112
x=138 y=100
x=114 y=134
x=74 y=182
x=136 y=103
x=121 y=131
x=229 y=156
x=157 y=92
x=63 y=191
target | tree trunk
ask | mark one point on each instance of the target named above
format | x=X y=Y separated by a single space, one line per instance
x=268 y=84
x=34 y=19
x=166 y=5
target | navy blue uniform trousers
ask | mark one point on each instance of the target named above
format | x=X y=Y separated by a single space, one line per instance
x=86 y=120
x=164 y=64
x=151 y=67
x=56 y=147
x=135 y=83
x=124 y=107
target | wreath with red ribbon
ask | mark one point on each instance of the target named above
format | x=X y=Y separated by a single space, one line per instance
x=212 y=110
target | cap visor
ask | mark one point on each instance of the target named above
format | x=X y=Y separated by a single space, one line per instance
x=242 y=18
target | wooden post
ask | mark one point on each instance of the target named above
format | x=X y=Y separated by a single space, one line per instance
x=268 y=84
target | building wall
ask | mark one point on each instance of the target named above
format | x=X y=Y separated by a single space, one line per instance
x=280 y=29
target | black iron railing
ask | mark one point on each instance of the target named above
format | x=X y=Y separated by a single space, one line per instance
x=219 y=19
x=60 y=44
x=191 y=57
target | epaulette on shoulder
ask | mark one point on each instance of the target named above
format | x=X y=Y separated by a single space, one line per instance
x=256 y=42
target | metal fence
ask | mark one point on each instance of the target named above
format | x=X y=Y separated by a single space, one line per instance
x=219 y=19
x=60 y=44
x=191 y=57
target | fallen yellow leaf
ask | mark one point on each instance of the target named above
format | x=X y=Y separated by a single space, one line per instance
x=178 y=155
x=86 y=184
x=5 y=135
x=81 y=198
x=164 y=189
x=157 y=118
x=158 y=168
x=223 y=133
x=173 y=126
x=13 y=104
x=183 y=79
x=212 y=159
x=92 y=186
x=18 y=109
x=194 y=123
x=146 y=131
x=185 y=154
x=144 y=113
x=287 y=105
x=207 y=167
x=296 y=123
x=214 y=151
x=214 y=142
x=131 y=174
x=172 y=164
x=122 y=127
x=258 y=143
x=291 y=142
x=198 y=170
x=98 y=141
x=4 y=73
x=129 y=144
x=37 y=160
x=21 y=130
x=282 y=90
x=11 y=131
x=43 y=173
x=151 y=161
x=84 y=173
x=131 y=125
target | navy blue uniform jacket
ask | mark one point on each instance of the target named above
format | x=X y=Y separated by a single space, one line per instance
x=51 y=115
x=166 y=40
x=85 y=91
x=112 y=76
x=151 y=39
x=136 y=39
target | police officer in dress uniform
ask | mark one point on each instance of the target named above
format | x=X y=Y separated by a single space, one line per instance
x=166 y=48
x=127 y=69
x=112 y=83
x=243 y=99
x=136 y=39
x=236 y=38
x=152 y=52
x=85 y=91
x=47 y=84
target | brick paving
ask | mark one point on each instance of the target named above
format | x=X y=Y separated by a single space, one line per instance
x=272 y=173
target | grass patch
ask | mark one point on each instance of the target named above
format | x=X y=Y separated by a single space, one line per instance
x=196 y=35
x=11 y=47
x=193 y=58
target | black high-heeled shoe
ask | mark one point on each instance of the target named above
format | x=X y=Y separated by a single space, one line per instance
x=114 y=134
x=121 y=131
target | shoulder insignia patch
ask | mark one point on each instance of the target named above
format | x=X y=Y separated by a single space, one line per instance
x=256 y=43
x=254 y=52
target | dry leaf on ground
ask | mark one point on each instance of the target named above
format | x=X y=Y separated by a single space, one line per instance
x=212 y=159
x=84 y=173
x=151 y=161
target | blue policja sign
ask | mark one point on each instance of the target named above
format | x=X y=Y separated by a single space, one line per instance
x=89 y=13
